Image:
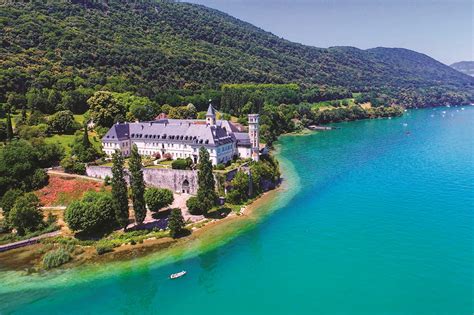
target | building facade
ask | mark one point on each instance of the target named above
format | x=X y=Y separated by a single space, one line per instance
x=182 y=138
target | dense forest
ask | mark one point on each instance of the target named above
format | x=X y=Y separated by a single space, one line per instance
x=56 y=54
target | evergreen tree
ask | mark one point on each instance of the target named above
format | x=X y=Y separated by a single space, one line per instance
x=176 y=223
x=137 y=185
x=119 y=190
x=206 y=193
x=9 y=127
x=23 y=115
x=85 y=138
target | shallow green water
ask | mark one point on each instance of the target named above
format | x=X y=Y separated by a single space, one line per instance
x=374 y=220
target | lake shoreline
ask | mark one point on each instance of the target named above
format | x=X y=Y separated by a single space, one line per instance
x=28 y=259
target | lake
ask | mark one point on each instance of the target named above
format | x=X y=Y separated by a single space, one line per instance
x=375 y=218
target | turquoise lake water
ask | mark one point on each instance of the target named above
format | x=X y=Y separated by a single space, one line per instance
x=376 y=218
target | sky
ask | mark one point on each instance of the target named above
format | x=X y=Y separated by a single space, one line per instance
x=442 y=29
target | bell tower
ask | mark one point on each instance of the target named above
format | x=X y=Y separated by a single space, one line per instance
x=211 y=115
x=254 y=136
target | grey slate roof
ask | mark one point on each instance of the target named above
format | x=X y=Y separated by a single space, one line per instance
x=117 y=132
x=243 y=139
x=211 y=111
x=175 y=131
x=179 y=130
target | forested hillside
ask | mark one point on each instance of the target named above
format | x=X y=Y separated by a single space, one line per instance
x=178 y=52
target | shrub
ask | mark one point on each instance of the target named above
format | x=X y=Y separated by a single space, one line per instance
x=157 y=198
x=220 y=166
x=167 y=156
x=4 y=226
x=51 y=219
x=194 y=206
x=182 y=164
x=72 y=165
x=40 y=179
x=56 y=258
x=107 y=180
x=103 y=248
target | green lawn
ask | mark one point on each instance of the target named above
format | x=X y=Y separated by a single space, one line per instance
x=67 y=140
x=64 y=140
x=79 y=118
x=323 y=104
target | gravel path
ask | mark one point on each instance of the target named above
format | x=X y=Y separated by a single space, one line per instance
x=27 y=241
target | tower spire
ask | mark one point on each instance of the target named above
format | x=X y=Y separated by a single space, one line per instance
x=211 y=115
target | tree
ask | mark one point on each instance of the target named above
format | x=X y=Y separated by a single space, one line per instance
x=206 y=193
x=39 y=179
x=62 y=122
x=138 y=107
x=119 y=190
x=48 y=154
x=16 y=100
x=76 y=100
x=18 y=161
x=9 y=127
x=26 y=215
x=157 y=198
x=71 y=164
x=3 y=131
x=8 y=201
x=137 y=185
x=240 y=188
x=176 y=223
x=104 y=109
x=82 y=147
x=94 y=213
x=85 y=137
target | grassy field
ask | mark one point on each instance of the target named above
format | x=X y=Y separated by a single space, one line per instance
x=64 y=140
x=329 y=104
x=79 y=118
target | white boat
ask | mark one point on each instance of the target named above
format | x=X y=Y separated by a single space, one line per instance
x=178 y=275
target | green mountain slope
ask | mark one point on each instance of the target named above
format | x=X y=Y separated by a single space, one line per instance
x=151 y=47
x=466 y=67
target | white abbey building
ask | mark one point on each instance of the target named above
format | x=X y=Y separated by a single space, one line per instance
x=182 y=138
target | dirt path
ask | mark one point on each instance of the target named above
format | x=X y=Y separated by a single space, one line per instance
x=27 y=241
x=74 y=175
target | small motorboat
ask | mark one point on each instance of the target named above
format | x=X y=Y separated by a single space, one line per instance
x=178 y=275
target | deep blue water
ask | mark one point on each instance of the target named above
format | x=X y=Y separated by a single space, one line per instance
x=379 y=221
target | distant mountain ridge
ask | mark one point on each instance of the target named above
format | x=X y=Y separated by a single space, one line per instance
x=466 y=67
x=152 y=46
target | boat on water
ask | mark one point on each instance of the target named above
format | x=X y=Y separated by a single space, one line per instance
x=178 y=275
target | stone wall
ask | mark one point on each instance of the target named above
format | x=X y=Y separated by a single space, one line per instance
x=182 y=181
